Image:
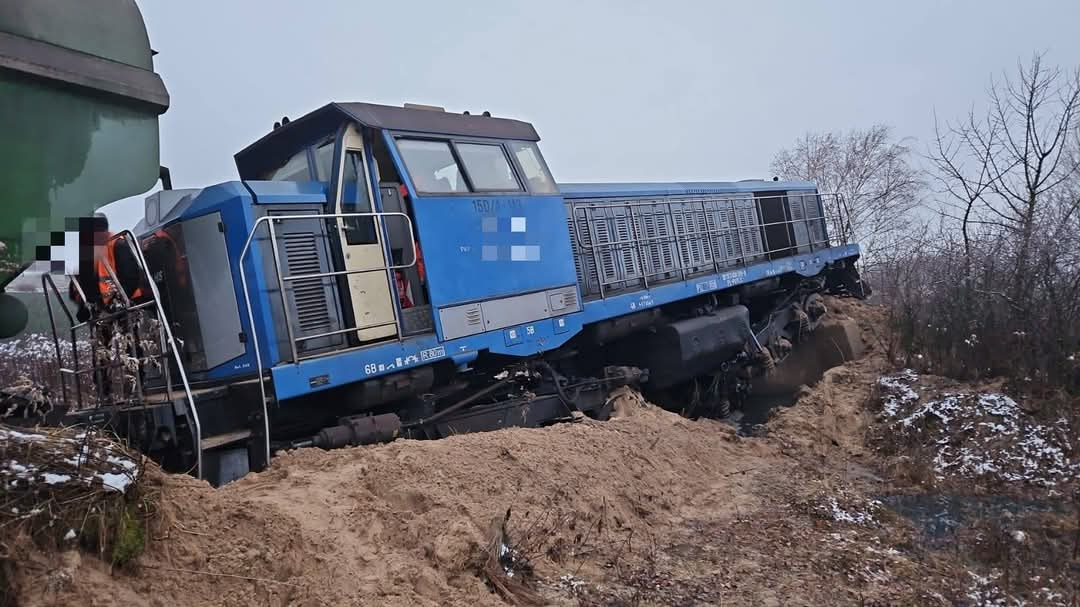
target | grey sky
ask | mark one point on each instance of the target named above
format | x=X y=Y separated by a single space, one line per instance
x=617 y=90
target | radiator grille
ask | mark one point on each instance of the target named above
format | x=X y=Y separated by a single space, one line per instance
x=308 y=294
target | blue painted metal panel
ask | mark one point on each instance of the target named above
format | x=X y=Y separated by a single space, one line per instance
x=319 y=374
x=531 y=338
x=478 y=248
x=215 y=198
x=238 y=217
x=288 y=192
x=239 y=212
x=235 y=203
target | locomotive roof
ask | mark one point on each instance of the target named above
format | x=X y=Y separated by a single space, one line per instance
x=599 y=190
x=281 y=143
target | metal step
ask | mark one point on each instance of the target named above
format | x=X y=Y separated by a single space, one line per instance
x=220 y=440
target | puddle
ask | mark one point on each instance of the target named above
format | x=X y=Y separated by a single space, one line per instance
x=939 y=516
x=755 y=411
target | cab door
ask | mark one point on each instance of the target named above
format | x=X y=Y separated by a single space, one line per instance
x=361 y=238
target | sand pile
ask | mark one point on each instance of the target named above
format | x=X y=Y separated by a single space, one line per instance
x=647 y=508
x=399 y=523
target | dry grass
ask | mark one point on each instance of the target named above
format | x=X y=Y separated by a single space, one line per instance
x=70 y=487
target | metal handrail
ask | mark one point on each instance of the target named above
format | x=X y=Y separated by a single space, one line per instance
x=616 y=203
x=268 y=219
x=706 y=233
x=133 y=244
x=666 y=208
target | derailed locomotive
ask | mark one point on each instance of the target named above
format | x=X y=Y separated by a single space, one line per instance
x=385 y=271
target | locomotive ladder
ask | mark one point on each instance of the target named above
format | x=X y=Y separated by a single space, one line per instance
x=166 y=343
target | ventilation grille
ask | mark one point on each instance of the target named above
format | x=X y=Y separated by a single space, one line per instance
x=308 y=295
x=569 y=298
x=473 y=317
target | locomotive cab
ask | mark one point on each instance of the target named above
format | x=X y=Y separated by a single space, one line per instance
x=432 y=216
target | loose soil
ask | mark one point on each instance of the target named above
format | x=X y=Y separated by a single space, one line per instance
x=648 y=508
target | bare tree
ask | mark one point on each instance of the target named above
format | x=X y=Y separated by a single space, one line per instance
x=1011 y=167
x=1005 y=300
x=870 y=170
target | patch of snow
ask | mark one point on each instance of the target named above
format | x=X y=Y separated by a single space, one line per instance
x=852 y=516
x=124 y=462
x=119 y=482
x=56 y=479
x=20 y=470
x=898 y=391
x=983 y=435
x=984 y=591
x=570 y=583
x=7 y=434
x=62 y=459
x=70 y=535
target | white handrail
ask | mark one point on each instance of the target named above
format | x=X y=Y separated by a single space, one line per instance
x=247 y=294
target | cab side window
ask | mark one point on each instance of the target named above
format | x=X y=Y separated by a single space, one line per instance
x=324 y=161
x=432 y=166
x=487 y=167
x=533 y=166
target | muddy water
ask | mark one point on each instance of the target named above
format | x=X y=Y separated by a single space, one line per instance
x=939 y=516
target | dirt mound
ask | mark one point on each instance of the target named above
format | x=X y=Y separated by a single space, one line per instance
x=399 y=523
x=647 y=508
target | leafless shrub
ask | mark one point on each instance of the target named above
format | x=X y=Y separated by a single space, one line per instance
x=993 y=288
x=505 y=566
x=123 y=351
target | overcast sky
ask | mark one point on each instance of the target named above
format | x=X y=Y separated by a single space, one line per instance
x=617 y=90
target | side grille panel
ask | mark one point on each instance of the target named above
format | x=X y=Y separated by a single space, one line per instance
x=309 y=295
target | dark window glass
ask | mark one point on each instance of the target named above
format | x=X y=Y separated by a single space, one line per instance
x=354 y=192
x=324 y=161
x=296 y=169
x=487 y=167
x=533 y=166
x=432 y=166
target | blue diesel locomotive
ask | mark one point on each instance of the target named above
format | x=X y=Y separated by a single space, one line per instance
x=384 y=271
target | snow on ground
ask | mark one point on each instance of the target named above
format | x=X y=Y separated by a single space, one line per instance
x=29 y=457
x=897 y=391
x=864 y=513
x=975 y=435
x=985 y=591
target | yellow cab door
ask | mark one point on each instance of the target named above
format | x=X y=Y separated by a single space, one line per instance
x=361 y=238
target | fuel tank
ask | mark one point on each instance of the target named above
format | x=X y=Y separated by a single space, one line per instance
x=678 y=351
